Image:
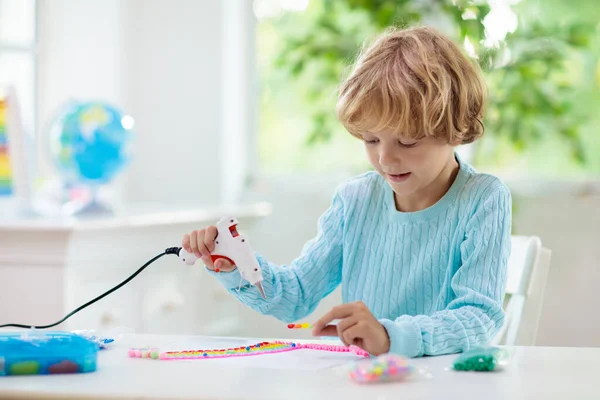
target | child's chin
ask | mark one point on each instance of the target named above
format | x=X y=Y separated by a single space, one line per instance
x=404 y=185
x=402 y=189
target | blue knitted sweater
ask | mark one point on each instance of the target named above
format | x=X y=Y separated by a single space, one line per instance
x=435 y=278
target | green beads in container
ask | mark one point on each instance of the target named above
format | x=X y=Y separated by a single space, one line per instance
x=484 y=358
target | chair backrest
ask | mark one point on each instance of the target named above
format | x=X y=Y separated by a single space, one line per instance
x=528 y=267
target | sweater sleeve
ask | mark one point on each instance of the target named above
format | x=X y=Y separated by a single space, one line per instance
x=476 y=313
x=293 y=292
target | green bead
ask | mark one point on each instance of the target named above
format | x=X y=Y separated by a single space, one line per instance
x=25 y=368
x=477 y=359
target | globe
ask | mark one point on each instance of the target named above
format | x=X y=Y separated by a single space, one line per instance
x=90 y=142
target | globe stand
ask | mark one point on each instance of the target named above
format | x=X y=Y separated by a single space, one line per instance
x=89 y=204
x=59 y=199
x=95 y=207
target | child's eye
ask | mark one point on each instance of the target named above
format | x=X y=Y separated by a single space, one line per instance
x=407 y=145
x=371 y=141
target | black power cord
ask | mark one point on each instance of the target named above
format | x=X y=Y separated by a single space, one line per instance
x=170 y=250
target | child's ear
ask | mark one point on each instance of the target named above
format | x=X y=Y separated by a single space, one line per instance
x=454 y=143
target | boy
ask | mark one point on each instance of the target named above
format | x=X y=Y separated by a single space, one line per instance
x=420 y=245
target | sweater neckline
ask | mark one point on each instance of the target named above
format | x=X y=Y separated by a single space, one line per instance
x=448 y=200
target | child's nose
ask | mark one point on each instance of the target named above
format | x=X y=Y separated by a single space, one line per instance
x=387 y=158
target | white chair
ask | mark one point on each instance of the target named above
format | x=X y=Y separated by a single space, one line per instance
x=528 y=267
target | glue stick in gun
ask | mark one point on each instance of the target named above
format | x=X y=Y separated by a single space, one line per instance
x=232 y=246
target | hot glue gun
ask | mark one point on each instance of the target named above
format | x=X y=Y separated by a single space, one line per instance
x=233 y=247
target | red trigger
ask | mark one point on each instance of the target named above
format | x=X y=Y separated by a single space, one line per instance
x=216 y=257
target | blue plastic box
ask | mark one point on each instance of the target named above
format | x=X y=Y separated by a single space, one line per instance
x=41 y=353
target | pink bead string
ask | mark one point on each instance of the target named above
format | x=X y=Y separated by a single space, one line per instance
x=242 y=351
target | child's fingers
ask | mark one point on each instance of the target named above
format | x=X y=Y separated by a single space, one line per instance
x=201 y=246
x=224 y=265
x=209 y=238
x=327 y=330
x=194 y=244
x=356 y=331
x=338 y=312
x=185 y=243
x=343 y=326
x=207 y=260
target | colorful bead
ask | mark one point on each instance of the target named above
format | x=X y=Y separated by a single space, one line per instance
x=385 y=368
x=300 y=326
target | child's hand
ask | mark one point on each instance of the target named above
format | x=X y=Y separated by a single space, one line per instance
x=357 y=326
x=202 y=243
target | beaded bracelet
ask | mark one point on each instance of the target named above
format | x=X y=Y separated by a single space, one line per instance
x=242 y=351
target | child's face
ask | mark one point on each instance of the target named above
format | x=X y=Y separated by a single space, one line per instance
x=410 y=167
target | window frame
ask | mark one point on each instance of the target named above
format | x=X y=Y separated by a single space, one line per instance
x=32 y=51
x=252 y=175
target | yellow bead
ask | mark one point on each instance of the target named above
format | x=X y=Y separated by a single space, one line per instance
x=305 y=325
x=378 y=371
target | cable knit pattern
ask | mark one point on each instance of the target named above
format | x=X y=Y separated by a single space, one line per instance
x=435 y=278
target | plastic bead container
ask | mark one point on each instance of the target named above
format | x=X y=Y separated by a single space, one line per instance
x=385 y=368
x=484 y=358
x=42 y=353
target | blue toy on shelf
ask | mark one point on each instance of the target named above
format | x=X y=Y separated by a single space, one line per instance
x=42 y=353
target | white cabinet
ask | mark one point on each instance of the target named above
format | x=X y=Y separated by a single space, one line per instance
x=49 y=267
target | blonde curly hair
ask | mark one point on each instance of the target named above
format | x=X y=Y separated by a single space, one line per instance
x=416 y=83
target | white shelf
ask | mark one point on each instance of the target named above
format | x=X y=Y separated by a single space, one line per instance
x=136 y=216
x=53 y=265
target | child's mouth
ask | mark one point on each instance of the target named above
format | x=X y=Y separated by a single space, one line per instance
x=399 y=177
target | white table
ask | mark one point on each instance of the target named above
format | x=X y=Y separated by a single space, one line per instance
x=534 y=373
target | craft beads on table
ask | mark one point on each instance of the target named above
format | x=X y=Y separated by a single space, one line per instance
x=143 y=353
x=385 y=368
x=485 y=358
x=299 y=326
x=242 y=351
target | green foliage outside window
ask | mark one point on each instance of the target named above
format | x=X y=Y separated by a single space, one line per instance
x=543 y=80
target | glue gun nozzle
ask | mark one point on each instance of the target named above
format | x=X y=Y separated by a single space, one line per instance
x=260 y=289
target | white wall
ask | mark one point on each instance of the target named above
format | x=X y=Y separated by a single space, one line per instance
x=80 y=57
x=173 y=83
x=160 y=61
x=568 y=222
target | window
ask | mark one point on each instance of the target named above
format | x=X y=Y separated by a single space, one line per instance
x=285 y=109
x=18 y=54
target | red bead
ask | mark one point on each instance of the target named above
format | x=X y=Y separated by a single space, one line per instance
x=217 y=270
x=291 y=326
